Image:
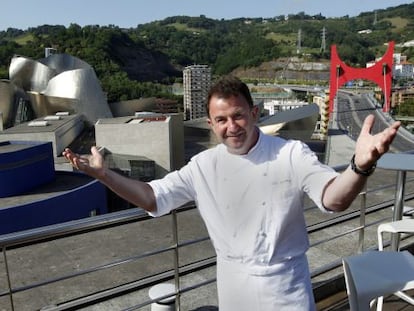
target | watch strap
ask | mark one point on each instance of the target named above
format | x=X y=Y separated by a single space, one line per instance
x=356 y=169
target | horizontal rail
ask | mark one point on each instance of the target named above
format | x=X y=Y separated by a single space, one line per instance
x=100 y=222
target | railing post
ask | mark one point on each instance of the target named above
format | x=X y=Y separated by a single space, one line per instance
x=6 y=265
x=176 y=259
x=363 y=208
x=398 y=206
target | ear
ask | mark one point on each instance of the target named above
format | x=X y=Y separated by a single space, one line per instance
x=209 y=122
x=255 y=112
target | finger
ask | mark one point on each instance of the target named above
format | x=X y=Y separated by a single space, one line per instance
x=94 y=150
x=80 y=164
x=66 y=152
x=396 y=125
x=368 y=124
x=69 y=155
x=385 y=139
x=75 y=163
x=382 y=146
x=390 y=132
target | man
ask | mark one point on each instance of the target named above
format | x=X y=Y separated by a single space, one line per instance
x=249 y=190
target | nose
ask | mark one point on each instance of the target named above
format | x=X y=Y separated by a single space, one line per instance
x=232 y=125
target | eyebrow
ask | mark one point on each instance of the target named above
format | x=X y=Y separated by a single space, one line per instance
x=237 y=112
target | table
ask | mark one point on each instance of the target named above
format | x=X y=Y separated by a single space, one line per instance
x=402 y=163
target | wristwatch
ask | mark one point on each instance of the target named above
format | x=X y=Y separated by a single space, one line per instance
x=357 y=170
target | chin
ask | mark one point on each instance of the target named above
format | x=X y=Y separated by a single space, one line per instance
x=236 y=150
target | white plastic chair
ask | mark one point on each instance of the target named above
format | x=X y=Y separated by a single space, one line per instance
x=398 y=227
x=375 y=274
x=395 y=227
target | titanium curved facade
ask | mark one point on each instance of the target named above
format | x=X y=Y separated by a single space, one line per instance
x=7 y=91
x=59 y=82
x=28 y=74
x=64 y=62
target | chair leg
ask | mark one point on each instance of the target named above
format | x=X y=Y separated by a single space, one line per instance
x=380 y=301
x=405 y=297
x=402 y=295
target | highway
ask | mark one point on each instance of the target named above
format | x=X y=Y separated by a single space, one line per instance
x=350 y=111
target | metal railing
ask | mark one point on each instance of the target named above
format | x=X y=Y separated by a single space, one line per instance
x=12 y=244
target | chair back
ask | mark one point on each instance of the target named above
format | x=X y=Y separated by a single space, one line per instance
x=350 y=285
x=374 y=274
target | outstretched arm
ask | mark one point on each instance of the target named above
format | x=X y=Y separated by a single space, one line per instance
x=137 y=192
x=342 y=190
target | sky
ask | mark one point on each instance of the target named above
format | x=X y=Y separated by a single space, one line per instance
x=130 y=13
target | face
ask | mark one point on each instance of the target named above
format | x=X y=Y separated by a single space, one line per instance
x=233 y=122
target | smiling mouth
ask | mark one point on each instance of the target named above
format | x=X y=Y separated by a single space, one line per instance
x=235 y=135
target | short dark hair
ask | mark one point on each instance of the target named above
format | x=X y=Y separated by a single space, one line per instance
x=229 y=86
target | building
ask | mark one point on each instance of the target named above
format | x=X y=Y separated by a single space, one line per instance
x=60 y=129
x=58 y=82
x=274 y=106
x=400 y=96
x=156 y=137
x=152 y=104
x=403 y=71
x=322 y=125
x=33 y=194
x=197 y=81
x=39 y=187
x=401 y=68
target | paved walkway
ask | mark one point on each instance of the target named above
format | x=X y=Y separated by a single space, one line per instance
x=341 y=148
x=96 y=248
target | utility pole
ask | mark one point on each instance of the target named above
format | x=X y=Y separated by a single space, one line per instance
x=323 y=43
x=299 y=45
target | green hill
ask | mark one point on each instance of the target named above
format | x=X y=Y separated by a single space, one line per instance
x=143 y=61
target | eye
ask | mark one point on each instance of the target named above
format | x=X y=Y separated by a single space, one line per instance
x=220 y=120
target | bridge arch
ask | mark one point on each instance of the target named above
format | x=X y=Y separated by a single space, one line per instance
x=380 y=73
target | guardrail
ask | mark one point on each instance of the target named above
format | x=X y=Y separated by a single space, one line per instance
x=71 y=234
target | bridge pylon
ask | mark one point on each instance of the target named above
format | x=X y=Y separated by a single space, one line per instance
x=380 y=73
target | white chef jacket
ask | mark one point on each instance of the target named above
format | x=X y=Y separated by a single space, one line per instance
x=252 y=204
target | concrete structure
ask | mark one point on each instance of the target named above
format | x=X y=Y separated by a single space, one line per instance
x=18 y=160
x=323 y=122
x=155 y=136
x=197 y=81
x=157 y=105
x=69 y=196
x=275 y=106
x=33 y=194
x=296 y=123
x=60 y=129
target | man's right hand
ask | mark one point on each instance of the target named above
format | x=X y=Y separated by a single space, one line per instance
x=91 y=164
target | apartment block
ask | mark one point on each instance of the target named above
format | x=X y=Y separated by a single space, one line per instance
x=197 y=81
